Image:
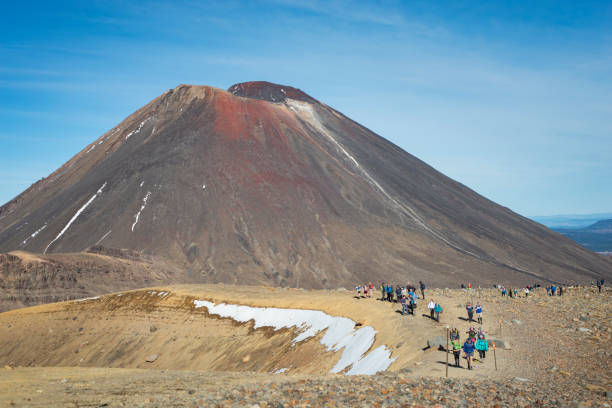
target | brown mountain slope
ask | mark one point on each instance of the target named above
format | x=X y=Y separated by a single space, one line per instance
x=27 y=279
x=264 y=184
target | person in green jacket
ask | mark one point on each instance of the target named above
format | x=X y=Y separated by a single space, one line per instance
x=455 y=346
x=481 y=345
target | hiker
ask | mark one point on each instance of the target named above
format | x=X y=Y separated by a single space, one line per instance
x=470 y=285
x=479 y=312
x=455 y=346
x=404 y=305
x=526 y=290
x=548 y=290
x=371 y=291
x=560 y=290
x=413 y=304
x=481 y=345
x=438 y=310
x=468 y=348
x=470 y=311
x=422 y=289
x=600 y=283
x=471 y=334
x=358 y=288
x=431 y=305
x=383 y=288
x=390 y=293
x=553 y=290
x=454 y=333
x=398 y=293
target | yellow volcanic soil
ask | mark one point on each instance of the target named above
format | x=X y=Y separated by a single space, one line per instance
x=122 y=331
x=116 y=333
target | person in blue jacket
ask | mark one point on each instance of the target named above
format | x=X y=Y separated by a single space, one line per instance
x=437 y=310
x=468 y=349
x=479 y=312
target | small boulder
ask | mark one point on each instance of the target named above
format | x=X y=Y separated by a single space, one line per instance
x=584 y=330
x=516 y=321
x=151 y=358
x=436 y=341
x=499 y=343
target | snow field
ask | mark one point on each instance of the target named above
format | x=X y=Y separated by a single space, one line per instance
x=339 y=334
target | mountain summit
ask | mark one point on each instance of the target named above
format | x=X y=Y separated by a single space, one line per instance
x=263 y=184
x=270 y=92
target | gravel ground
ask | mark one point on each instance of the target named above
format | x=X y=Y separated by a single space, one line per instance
x=65 y=387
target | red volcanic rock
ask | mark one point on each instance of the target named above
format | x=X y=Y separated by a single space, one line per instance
x=262 y=184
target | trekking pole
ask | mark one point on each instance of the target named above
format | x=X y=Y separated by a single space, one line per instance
x=447 y=336
x=494 y=356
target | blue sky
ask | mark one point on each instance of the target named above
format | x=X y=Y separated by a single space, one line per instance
x=513 y=99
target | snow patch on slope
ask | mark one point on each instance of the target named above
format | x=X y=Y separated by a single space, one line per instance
x=34 y=234
x=75 y=216
x=133 y=132
x=86 y=299
x=144 y=204
x=339 y=333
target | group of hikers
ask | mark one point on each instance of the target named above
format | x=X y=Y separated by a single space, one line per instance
x=470 y=312
x=551 y=290
x=404 y=294
x=514 y=293
x=475 y=341
x=407 y=296
x=554 y=290
x=365 y=290
x=395 y=293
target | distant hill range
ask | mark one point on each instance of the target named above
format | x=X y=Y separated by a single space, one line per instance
x=571 y=221
x=597 y=237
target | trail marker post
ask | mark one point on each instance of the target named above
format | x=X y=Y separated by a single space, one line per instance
x=447 y=337
x=494 y=356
